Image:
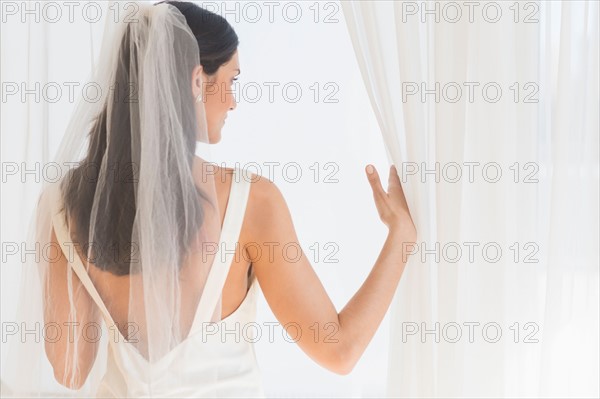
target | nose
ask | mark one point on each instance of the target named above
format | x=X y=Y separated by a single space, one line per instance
x=233 y=104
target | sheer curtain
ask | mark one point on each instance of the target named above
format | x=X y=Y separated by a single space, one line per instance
x=491 y=113
x=44 y=69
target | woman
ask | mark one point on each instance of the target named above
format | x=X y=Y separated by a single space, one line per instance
x=141 y=233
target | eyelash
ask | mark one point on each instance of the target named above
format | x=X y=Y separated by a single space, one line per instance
x=234 y=80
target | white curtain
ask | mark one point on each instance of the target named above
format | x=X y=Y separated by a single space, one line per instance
x=44 y=67
x=501 y=299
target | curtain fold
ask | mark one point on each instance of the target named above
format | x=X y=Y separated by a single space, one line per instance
x=42 y=67
x=491 y=115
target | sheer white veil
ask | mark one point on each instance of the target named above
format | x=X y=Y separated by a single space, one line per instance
x=135 y=211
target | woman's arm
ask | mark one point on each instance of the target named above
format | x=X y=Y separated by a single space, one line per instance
x=294 y=292
x=362 y=315
x=62 y=351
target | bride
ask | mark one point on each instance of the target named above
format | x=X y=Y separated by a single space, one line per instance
x=155 y=251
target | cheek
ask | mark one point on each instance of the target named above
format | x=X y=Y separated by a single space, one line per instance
x=218 y=100
x=211 y=105
x=211 y=97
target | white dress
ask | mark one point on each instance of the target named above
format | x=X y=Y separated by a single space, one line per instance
x=202 y=365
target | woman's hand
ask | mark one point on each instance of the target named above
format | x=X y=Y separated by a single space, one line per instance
x=391 y=206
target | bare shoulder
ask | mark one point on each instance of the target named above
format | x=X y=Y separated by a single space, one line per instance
x=223 y=175
x=265 y=206
x=265 y=201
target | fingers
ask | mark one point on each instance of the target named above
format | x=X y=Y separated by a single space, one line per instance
x=391 y=206
x=394 y=179
x=374 y=181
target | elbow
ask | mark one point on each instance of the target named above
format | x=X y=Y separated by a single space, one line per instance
x=71 y=380
x=345 y=360
x=68 y=374
x=71 y=372
x=337 y=355
x=343 y=370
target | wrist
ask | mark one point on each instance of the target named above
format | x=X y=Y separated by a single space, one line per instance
x=403 y=233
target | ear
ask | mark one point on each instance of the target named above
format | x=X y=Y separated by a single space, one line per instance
x=198 y=80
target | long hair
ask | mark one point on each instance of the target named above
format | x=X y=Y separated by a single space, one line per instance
x=112 y=245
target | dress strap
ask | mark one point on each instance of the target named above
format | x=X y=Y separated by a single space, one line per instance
x=228 y=243
x=62 y=234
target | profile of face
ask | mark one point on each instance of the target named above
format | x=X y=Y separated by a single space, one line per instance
x=217 y=96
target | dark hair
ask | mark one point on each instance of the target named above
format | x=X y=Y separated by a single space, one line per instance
x=111 y=247
x=217 y=41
